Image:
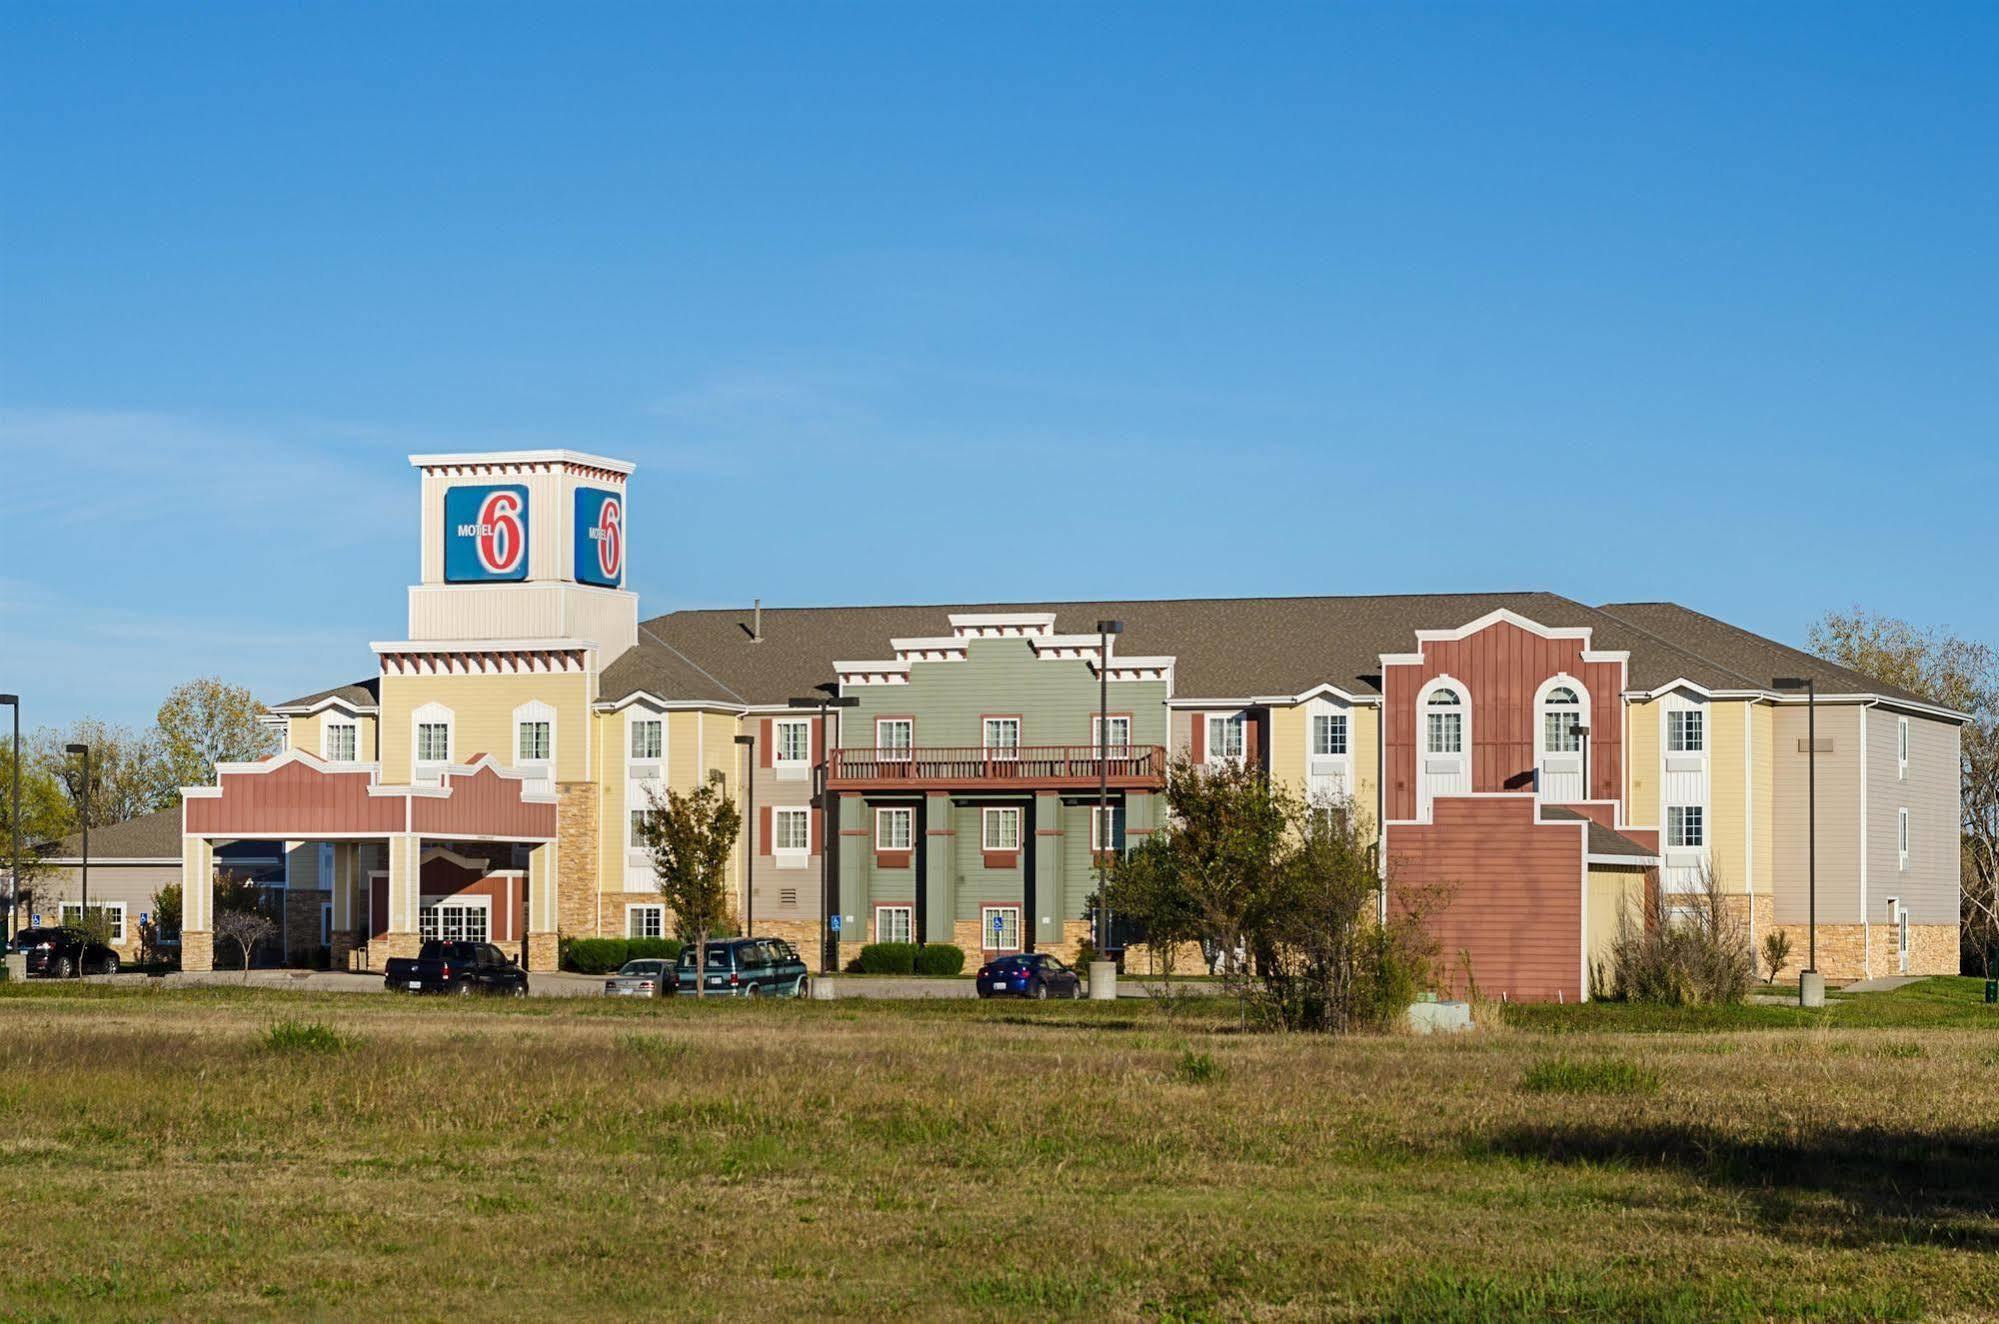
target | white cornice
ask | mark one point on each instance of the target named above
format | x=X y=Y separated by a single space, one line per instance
x=502 y=459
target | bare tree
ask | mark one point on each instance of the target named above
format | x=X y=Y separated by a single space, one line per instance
x=1962 y=675
x=245 y=928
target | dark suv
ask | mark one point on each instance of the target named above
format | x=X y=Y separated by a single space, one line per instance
x=60 y=953
x=747 y=968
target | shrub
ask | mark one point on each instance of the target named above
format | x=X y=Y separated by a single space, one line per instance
x=888 y=958
x=293 y=1036
x=593 y=956
x=1776 y=953
x=940 y=958
x=1692 y=954
x=1198 y=1069
x=651 y=949
x=1602 y=1075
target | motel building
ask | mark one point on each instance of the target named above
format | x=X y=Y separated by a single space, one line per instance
x=1548 y=760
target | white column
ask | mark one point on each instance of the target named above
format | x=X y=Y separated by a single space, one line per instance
x=197 y=903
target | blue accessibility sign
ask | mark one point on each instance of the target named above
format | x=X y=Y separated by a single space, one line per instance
x=833 y=923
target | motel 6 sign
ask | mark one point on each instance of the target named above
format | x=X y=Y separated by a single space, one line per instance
x=600 y=537
x=486 y=533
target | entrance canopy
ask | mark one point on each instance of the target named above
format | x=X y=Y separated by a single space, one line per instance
x=296 y=796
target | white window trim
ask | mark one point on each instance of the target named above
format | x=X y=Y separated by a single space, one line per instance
x=986 y=942
x=1902 y=748
x=634 y=719
x=434 y=904
x=1339 y=715
x=887 y=753
x=429 y=771
x=63 y=913
x=1210 y=753
x=1462 y=708
x=1118 y=749
x=1683 y=811
x=887 y=813
x=777 y=758
x=535 y=711
x=1902 y=836
x=790 y=857
x=993 y=751
x=1543 y=705
x=1666 y=735
x=908 y=914
x=326 y=726
x=641 y=775
x=986 y=818
x=1097 y=813
x=644 y=907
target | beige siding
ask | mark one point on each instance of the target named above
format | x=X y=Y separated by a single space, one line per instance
x=1928 y=887
x=1728 y=808
x=1287 y=747
x=131 y=884
x=1616 y=896
x=1641 y=764
x=1838 y=814
x=1762 y=798
x=482 y=709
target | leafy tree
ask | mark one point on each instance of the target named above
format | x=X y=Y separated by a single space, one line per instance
x=124 y=771
x=45 y=820
x=1962 y=675
x=689 y=836
x=164 y=926
x=1228 y=837
x=204 y=722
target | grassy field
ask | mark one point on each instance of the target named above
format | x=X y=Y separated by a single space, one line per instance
x=218 y=1152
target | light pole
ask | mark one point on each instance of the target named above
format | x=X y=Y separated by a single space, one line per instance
x=1105 y=629
x=14 y=860
x=829 y=948
x=1811 y=988
x=84 y=750
x=749 y=744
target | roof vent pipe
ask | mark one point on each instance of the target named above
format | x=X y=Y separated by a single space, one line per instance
x=757 y=622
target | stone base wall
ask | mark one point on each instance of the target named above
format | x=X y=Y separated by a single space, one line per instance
x=611 y=912
x=576 y=813
x=1075 y=932
x=197 y=949
x=1854 y=951
x=301 y=924
x=342 y=949
x=391 y=947
x=1934 y=949
x=803 y=934
x=544 y=952
x=1139 y=959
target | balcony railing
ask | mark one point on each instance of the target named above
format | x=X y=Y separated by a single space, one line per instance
x=1023 y=763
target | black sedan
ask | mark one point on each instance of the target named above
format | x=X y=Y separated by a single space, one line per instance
x=1029 y=975
x=60 y=953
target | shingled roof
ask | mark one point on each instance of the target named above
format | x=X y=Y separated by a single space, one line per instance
x=1233 y=648
x=153 y=836
x=361 y=694
x=1602 y=840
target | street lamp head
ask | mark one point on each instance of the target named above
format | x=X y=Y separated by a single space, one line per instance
x=1110 y=627
x=76 y=749
x=10 y=700
x=746 y=740
x=1791 y=683
x=1579 y=729
x=826 y=701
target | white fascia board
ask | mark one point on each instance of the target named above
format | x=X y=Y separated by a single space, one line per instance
x=899 y=664
x=111 y=861
x=347 y=706
x=481 y=645
x=1498 y=616
x=1796 y=700
x=458 y=459
x=932 y=644
x=966 y=620
x=1327 y=690
x=1627 y=861
x=1612 y=655
x=652 y=700
x=1402 y=659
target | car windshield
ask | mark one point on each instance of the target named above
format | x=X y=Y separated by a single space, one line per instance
x=637 y=968
x=35 y=937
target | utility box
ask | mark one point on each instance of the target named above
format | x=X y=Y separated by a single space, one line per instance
x=1991 y=991
x=17 y=968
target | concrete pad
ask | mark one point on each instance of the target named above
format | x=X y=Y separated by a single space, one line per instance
x=1882 y=984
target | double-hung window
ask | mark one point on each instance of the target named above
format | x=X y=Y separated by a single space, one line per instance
x=1107 y=825
x=791 y=833
x=1001 y=737
x=342 y=743
x=1113 y=736
x=648 y=739
x=895 y=737
x=113 y=912
x=1444 y=725
x=1225 y=737
x=1686 y=826
x=433 y=744
x=999 y=928
x=1329 y=735
x=1001 y=829
x=645 y=920
x=793 y=738
x=1902 y=835
x=895 y=924
x=1686 y=731
x=642 y=820
x=894 y=828
x=536 y=741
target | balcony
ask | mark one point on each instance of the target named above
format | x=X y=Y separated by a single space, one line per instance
x=1025 y=767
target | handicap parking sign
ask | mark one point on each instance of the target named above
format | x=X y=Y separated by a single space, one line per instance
x=833 y=923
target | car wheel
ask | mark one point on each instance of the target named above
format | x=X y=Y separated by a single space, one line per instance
x=1040 y=992
x=753 y=991
x=521 y=989
x=64 y=968
x=464 y=990
x=801 y=988
x=110 y=964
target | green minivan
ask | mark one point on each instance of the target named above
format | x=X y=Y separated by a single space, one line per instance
x=747 y=968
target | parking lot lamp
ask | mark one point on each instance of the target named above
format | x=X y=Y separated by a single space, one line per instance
x=1811 y=689
x=14 y=859
x=829 y=948
x=749 y=744
x=83 y=750
x=1105 y=629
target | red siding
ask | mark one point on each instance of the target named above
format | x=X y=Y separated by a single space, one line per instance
x=442 y=878
x=1503 y=665
x=296 y=799
x=483 y=805
x=1197 y=746
x=1516 y=894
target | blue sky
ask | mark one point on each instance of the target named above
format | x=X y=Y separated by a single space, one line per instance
x=972 y=302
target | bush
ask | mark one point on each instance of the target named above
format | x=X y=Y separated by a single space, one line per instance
x=888 y=958
x=1692 y=954
x=592 y=956
x=940 y=958
x=652 y=949
x=1198 y=1069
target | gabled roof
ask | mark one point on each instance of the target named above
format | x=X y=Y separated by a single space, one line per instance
x=1602 y=840
x=1753 y=660
x=154 y=836
x=359 y=694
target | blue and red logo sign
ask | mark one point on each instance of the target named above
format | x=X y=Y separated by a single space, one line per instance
x=485 y=534
x=600 y=537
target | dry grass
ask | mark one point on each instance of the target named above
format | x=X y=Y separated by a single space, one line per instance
x=165 y=1158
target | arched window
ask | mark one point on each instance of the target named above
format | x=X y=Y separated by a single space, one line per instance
x=1561 y=712
x=1444 y=721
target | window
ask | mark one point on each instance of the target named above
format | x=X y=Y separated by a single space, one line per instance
x=1225 y=737
x=894 y=924
x=1001 y=830
x=535 y=742
x=894 y=738
x=999 y=928
x=1329 y=734
x=1902 y=835
x=1002 y=737
x=894 y=828
x=1113 y=737
x=113 y=912
x=1902 y=746
x=1107 y=816
x=641 y=821
x=460 y=920
x=648 y=738
x=1684 y=826
x=1445 y=724
x=791 y=830
x=645 y=921
x=1561 y=710
x=1685 y=731
x=433 y=742
x=793 y=736
x=342 y=742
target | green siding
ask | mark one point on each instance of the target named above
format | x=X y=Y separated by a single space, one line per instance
x=1054 y=700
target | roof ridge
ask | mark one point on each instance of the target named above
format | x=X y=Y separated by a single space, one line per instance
x=1163 y=602
x=1875 y=683
x=727 y=688
x=1681 y=648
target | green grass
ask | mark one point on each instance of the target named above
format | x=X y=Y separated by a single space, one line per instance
x=183 y=1154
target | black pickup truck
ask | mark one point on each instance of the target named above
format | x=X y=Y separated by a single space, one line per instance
x=457 y=967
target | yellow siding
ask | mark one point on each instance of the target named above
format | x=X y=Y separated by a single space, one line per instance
x=304 y=734
x=482 y=710
x=612 y=752
x=1614 y=894
x=1728 y=815
x=1641 y=765
x=682 y=771
x=1365 y=735
x=1287 y=747
x=1762 y=796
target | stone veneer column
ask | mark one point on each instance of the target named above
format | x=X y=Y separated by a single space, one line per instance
x=544 y=908
x=576 y=818
x=197 y=902
x=405 y=896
